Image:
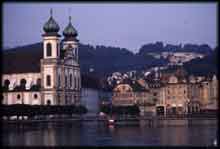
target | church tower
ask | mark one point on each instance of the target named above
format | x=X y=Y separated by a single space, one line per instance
x=50 y=61
x=69 y=53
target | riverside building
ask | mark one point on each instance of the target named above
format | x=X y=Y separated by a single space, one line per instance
x=47 y=75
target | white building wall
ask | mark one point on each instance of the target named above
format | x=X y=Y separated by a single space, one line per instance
x=35 y=101
x=53 y=40
x=49 y=97
x=48 y=70
x=31 y=78
x=27 y=97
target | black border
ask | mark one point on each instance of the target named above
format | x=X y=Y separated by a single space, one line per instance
x=101 y=1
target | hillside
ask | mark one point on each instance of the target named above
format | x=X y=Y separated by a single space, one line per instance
x=205 y=66
x=102 y=60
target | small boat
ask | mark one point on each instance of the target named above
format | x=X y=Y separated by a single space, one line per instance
x=111 y=121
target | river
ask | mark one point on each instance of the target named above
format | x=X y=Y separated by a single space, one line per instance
x=98 y=134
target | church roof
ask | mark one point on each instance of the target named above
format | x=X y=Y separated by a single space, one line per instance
x=51 y=25
x=22 y=59
x=70 y=31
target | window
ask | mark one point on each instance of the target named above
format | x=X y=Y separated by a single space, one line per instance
x=57 y=49
x=35 y=96
x=48 y=102
x=18 y=96
x=48 y=78
x=59 y=81
x=49 y=51
x=66 y=81
x=78 y=83
x=23 y=83
x=38 y=82
x=75 y=86
x=6 y=84
x=71 y=80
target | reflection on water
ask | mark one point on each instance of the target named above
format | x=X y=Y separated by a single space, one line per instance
x=99 y=134
x=90 y=100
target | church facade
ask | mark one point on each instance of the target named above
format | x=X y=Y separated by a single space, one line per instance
x=47 y=75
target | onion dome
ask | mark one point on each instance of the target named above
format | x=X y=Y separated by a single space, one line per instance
x=51 y=25
x=70 y=31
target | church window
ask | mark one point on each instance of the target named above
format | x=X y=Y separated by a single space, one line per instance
x=57 y=49
x=71 y=80
x=35 y=96
x=38 y=82
x=48 y=102
x=66 y=81
x=49 y=49
x=23 y=83
x=59 y=81
x=6 y=84
x=48 y=78
x=74 y=82
x=78 y=82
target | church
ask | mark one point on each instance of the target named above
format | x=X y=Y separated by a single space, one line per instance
x=47 y=75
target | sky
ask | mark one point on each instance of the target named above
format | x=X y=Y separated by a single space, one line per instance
x=125 y=25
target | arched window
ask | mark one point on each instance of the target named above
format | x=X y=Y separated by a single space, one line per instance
x=49 y=49
x=23 y=83
x=65 y=80
x=75 y=82
x=59 y=81
x=35 y=96
x=48 y=102
x=6 y=84
x=39 y=82
x=78 y=82
x=71 y=80
x=48 y=80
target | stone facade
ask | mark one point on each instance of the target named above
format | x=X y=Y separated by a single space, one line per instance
x=123 y=95
x=175 y=95
x=58 y=82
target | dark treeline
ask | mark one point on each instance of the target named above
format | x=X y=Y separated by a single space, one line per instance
x=159 y=47
x=205 y=66
x=103 y=60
